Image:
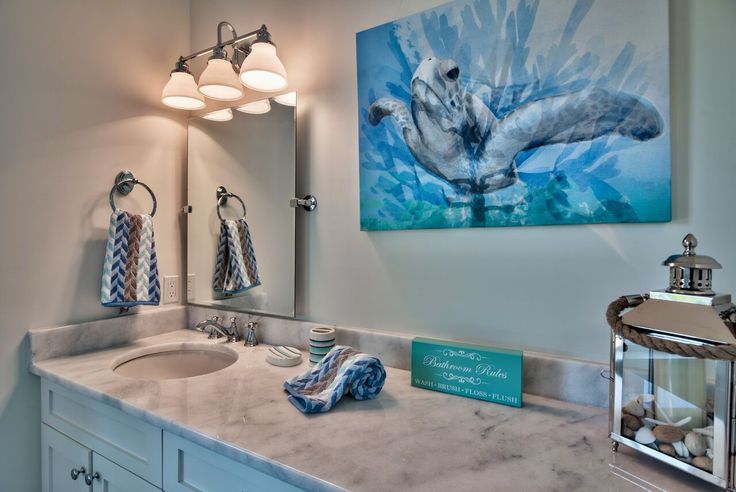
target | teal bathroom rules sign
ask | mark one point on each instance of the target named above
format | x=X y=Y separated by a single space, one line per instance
x=473 y=371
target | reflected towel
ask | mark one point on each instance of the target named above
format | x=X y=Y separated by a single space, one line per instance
x=236 y=269
x=343 y=370
x=130 y=271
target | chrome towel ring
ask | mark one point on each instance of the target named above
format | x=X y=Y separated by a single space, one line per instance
x=124 y=183
x=222 y=197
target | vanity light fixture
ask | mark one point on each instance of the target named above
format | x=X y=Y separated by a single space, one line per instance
x=219 y=81
x=262 y=70
x=253 y=56
x=219 y=115
x=257 y=107
x=180 y=91
x=288 y=99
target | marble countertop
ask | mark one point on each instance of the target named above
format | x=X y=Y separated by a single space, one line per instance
x=407 y=439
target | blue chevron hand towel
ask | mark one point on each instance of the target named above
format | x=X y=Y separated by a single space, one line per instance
x=343 y=370
x=130 y=271
x=236 y=269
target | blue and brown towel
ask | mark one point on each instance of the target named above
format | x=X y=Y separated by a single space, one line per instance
x=343 y=370
x=130 y=272
x=236 y=269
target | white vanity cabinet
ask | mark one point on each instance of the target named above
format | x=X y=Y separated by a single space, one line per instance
x=189 y=467
x=114 y=478
x=129 y=442
x=64 y=462
x=67 y=466
x=109 y=450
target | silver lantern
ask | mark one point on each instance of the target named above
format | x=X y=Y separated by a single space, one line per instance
x=672 y=360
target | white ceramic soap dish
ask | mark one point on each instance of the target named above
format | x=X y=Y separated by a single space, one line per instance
x=284 y=356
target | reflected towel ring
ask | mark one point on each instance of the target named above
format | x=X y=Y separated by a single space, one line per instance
x=124 y=183
x=222 y=197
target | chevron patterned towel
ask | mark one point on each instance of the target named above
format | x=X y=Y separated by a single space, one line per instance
x=236 y=269
x=130 y=272
x=343 y=370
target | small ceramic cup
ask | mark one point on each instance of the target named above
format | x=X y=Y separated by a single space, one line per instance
x=321 y=341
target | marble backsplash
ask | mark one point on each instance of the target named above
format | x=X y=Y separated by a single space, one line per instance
x=47 y=343
x=544 y=375
x=561 y=378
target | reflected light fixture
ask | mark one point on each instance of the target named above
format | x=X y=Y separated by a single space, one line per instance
x=219 y=115
x=253 y=56
x=288 y=99
x=180 y=91
x=257 y=107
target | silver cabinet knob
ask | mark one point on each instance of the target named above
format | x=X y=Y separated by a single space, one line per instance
x=89 y=478
x=77 y=471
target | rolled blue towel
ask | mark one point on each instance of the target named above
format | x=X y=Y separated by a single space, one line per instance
x=343 y=370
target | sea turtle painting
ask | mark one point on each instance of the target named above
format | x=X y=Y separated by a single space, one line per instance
x=518 y=112
x=453 y=135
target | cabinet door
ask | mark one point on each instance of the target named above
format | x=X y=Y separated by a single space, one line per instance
x=60 y=456
x=114 y=478
x=128 y=441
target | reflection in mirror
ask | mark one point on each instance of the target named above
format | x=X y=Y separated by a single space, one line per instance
x=253 y=157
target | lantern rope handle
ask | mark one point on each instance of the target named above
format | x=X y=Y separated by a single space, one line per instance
x=641 y=337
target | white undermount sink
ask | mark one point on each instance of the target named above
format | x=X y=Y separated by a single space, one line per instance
x=174 y=361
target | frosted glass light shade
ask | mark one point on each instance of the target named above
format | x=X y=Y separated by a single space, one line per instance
x=219 y=81
x=219 y=115
x=257 y=107
x=262 y=70
x=288 y=99
x=181 y=92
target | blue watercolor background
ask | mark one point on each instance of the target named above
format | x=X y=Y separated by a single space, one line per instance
x=611 y=179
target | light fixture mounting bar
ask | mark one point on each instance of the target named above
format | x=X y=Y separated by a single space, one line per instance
x=261 y=33
x=254 y=64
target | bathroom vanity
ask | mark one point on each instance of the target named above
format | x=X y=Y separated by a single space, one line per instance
x=234 y=429
x=89 y=445
x=94 y=438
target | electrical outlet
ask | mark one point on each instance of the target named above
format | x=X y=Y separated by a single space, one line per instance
x=171 y=289
x=190 y=287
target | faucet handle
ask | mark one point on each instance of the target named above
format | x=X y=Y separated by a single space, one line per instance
x=250 y=334
x=233 y=335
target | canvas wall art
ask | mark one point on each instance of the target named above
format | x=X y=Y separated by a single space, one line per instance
x=483 y=113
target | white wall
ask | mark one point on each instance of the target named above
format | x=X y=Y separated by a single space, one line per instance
x=80 y=89
x=80 y=85
x=541 y=288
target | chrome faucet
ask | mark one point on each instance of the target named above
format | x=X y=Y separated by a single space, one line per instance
x=217 y=330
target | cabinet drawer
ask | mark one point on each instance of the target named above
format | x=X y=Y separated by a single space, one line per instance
x=188 y=467
x=130 y=442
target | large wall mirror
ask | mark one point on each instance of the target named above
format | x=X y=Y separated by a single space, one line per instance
x=251 y=156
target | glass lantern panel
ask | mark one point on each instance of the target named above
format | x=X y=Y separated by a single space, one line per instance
x=676 y=393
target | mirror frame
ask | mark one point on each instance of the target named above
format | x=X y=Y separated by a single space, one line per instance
x=216 y=304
